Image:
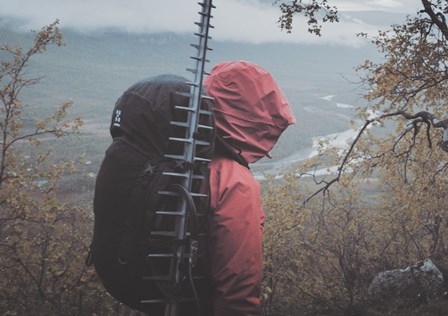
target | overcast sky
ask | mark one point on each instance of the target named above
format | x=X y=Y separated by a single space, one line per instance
x=239 y=20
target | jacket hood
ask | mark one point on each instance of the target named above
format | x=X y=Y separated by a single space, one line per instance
x=251 y=111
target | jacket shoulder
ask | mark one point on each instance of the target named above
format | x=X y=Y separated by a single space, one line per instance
x=231 y=180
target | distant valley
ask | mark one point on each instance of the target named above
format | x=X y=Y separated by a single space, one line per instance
x=93 y=69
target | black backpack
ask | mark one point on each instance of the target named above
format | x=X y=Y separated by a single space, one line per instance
x=135 y=201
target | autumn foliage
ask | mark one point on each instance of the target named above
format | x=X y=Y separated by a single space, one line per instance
x=43 y=236
x=384 y=208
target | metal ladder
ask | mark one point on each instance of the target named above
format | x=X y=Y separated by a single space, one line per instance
x=185 y=247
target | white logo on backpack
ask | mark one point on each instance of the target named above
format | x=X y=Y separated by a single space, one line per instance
x=117 y=118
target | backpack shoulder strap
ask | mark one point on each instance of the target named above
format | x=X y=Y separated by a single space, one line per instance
x=224 y=148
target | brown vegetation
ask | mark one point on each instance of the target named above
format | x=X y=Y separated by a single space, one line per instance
x=43 y=237
x=385 y=208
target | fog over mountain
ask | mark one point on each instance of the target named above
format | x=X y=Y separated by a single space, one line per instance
x=253 y=21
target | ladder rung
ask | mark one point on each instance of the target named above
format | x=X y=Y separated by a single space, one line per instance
x=202 y=143
x=170 y=213
x=205 y=14
x=165 y=301
x=156 y=301
x=198 y=194
x=205 y=127
x=167 y=277
x=182 y=140
x=162 y=233
x=201 y=25
x=202 y=4
x=199 y=47
x=177 y=157
x=202 y=35
x=202 y=159
x=192 y=84
x=170 y=193
x=185 y=108
x=159 y=255
x=175 y=174
x=199 y=59
x=184 y=94
x=157 y=278
x=180 y=157
x=181 y=124
x=191 y=70
x=205 y=112
x=207 y=97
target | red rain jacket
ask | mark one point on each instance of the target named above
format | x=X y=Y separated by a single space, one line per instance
x=251 y=112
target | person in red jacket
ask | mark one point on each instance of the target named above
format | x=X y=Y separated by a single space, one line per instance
x=251 y=112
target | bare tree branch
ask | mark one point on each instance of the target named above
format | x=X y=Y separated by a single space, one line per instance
x=420 y=117
x=436 y=18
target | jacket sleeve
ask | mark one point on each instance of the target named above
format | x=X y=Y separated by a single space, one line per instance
x=235 y=239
